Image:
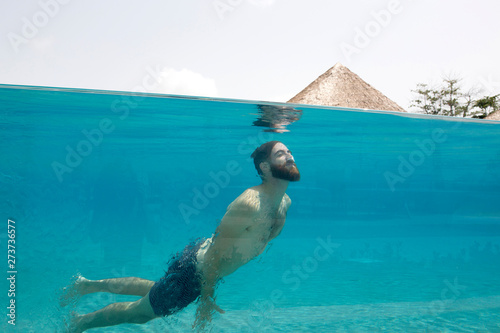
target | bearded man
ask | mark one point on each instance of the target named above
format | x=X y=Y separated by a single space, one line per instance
x=251 y=221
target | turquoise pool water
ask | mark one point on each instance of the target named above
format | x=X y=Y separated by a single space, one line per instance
x=394 y=226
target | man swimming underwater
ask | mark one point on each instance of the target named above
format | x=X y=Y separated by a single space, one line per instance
x=252 y=220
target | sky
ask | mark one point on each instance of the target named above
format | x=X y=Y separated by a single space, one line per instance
x=265 y=50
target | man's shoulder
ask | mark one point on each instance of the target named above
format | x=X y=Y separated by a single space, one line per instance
x=249 y=200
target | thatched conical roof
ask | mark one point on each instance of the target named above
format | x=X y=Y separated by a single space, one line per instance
x=494 y=115
x=340 y=87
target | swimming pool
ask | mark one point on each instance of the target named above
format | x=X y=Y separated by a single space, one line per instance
x=395 y=224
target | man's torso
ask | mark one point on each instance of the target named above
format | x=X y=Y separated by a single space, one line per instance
x=261 y=223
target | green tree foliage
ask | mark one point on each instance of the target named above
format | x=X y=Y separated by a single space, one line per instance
x=466 y=108
x=427 y=100
x=449 y=99
x=450 y=93
x=488 y=104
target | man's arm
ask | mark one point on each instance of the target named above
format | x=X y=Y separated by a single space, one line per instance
x=277 y=230
x=231 y=228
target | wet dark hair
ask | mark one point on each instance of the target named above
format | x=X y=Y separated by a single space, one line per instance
x=262 y=153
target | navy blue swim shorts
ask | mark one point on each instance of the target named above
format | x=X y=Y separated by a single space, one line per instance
x=180 y=285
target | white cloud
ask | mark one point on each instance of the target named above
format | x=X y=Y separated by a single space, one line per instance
x=185 y=82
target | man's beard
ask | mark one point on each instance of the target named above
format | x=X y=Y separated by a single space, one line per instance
x=282 y=172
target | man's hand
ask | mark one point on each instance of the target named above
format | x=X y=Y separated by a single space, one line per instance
x=204 y=313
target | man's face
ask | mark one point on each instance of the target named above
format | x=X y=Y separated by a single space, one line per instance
x=282 y=164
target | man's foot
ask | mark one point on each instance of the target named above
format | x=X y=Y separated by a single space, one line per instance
x=72 y=292
x=75 y=323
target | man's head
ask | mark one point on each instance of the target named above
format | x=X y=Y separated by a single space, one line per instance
x=274 y=159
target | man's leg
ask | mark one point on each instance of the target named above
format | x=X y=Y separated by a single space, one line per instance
x=138 y=312
x=124 y=286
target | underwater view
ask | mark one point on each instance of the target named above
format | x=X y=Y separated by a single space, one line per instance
x=393 y=226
